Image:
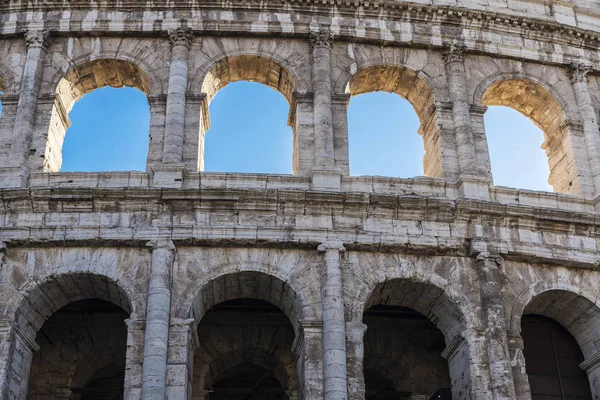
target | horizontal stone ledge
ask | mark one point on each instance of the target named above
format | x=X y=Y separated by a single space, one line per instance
x=307 y=240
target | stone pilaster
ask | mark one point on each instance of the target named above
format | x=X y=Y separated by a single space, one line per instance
x=334 y=327
x=158 y=104
x=457 y=84
x=355 y=355
x=517 y=362
x=591 y=132
x=308 y=347
x=134 y=358
x=175 y=113
x=495 y=323
x=154 y=370
x=183 y=342
x=301 y=120
x=339 y=104
x=37 y=43
x=197 y=122
x=16 y=352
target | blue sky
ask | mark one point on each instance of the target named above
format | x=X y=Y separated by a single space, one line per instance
x=249 y=133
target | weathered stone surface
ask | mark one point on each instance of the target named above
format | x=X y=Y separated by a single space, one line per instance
x=355 y=283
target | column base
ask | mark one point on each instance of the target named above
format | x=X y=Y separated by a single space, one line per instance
x=473 y=188
x=326 y=179
x=168 y=176
x=13 y=177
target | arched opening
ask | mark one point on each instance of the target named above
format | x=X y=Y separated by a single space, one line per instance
x=524 y=166
x=542 y=108
x=573 y=319
x=244 y=352
x=82 y=353
x=248 y=119
x=246 y=318
x=257 y=140
x=69 y=338
x=382 y=136
x=109 y=132
x=552 y=359
x=402 y=354
x=126 y=127
x=408 y=327
x=247 y=381
x=380 y=125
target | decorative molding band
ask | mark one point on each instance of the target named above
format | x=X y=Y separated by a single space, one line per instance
x=590 y=363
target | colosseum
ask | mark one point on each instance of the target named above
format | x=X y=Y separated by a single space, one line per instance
x=175 y=283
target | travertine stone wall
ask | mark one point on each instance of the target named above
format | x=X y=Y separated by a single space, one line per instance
x=168 y=245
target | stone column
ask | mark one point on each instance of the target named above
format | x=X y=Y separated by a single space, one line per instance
x=178 y=78
x=134 y=358
x=156 y=341
x=325 y=176
x=355 y=355
x=37 y=42
x=517 y=362
x=591 y=132
x=320 y=43
x=495 y=323
x=591 y=366
x=457 y=84
x=308 y=347
x=334 y=327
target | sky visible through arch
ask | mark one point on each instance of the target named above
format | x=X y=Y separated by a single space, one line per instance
x=249 y=133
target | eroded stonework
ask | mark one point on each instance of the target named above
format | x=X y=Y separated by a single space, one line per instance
x=175 y=283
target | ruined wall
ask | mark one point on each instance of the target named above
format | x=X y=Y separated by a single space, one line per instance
x=454 y=260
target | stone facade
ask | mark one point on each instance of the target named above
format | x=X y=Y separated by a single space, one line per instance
x=159 y=284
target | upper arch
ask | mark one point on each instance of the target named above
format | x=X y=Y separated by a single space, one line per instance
x=268 y=69
x=121 y=63
x=236 y=283
x=37 y=300
x=531 y=82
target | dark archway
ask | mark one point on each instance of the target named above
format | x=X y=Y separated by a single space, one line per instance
x=82 y=353
x=403 y=355
x=552 y=359
x=244 y=352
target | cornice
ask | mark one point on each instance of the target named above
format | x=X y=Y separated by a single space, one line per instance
x=533 y=29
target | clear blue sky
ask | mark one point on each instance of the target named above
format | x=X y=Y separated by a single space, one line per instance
x=249 y=133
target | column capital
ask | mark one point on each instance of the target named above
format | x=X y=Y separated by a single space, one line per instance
x=332 y=245
x=321 y=38
x=486 y=256
x=161 y=244
x=453 y=347
x=37 y=38
x=454 y=53
x=578 y=71
x=181 y=36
